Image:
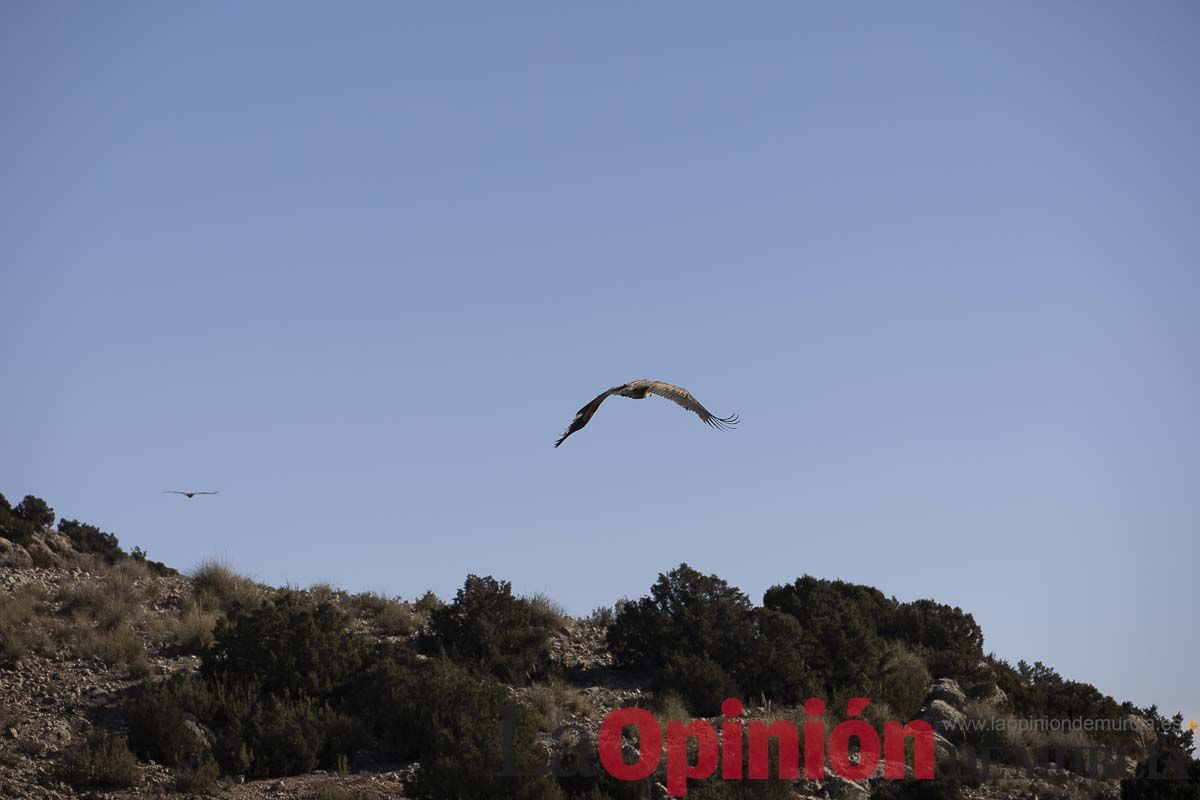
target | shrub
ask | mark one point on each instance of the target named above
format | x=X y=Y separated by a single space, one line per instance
x=428 y=603
x=260 y=735
x=951 y=637
x=553 y=701
x=218 y=588
x=1038 y=691
x=268 y=685
x=156 y=720
x=35 y=511
x=110 y=602
x=700 y=681
x=601 y=616
x=700 y=637
x=838 y=624
x=19 y=629
x=452 y=720
x=157 y=567
x=14 y=528
x=389 y=617
x=119 y=645
x=685 y=613
x=287 y=645
x=103 y=760
x=901 y=680
x=322 y=592
x=489 y=629
x=289 y=736
x=194 y=631
x=202 y=777
x=90 y=539
x=772 y=666
x=546 y=609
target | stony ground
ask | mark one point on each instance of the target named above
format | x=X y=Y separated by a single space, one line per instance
x=59 y=691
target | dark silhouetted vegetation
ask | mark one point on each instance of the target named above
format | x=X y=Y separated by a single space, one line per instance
x=289 y=646
x=35 y=511
x=13 y=524
x=487 y=628
x=700 y=637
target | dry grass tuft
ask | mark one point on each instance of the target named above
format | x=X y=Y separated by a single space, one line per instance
x=547 y=608
x=192 y=631
x=390 y=617
x=323 y=592
x=554 y=702
x=669 y=707
x=218 y=588
x=20 y=631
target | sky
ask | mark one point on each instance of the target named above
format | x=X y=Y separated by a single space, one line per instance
x=356 y=267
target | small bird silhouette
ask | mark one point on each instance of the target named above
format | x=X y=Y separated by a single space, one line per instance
x=188 y=495
x=638 y=390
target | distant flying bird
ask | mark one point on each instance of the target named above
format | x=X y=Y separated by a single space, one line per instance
x=188 y=495
x=638 y=390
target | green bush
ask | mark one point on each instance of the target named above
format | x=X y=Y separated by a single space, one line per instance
x=427 y=603
x=1039 y=691
x=261 y=735
x=90 y=539
x=686 y=613
x=700 y=637
x=269 y=688
x=839 y=629
x=103 y=760
x=202 y=777
x=287 y=645
x=13 y=527
x=156 y=720
x=453 y=721
x=286 y=736
x=951 y=638
x=390 y=617
x=487 y=628
x=773 y=667
x=700 y=681
x=901 y=680
x=35 y=511
x=157 y=567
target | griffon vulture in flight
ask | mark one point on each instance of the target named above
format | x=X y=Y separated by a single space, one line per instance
x=638 y=390
x=188 y=495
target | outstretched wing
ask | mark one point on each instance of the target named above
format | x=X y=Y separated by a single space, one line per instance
x=217 y=492
x=173 y=491
x=683 y=398
x=584 y=415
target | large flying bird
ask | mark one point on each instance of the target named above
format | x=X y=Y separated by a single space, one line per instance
x=638 y=390
x=188 y=495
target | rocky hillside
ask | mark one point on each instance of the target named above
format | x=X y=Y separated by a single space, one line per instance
x=94 y=653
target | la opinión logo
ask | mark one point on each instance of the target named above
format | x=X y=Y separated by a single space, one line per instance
x=728 y=754
x=745 y=745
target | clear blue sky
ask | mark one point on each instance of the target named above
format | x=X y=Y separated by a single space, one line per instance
x=357 y=268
